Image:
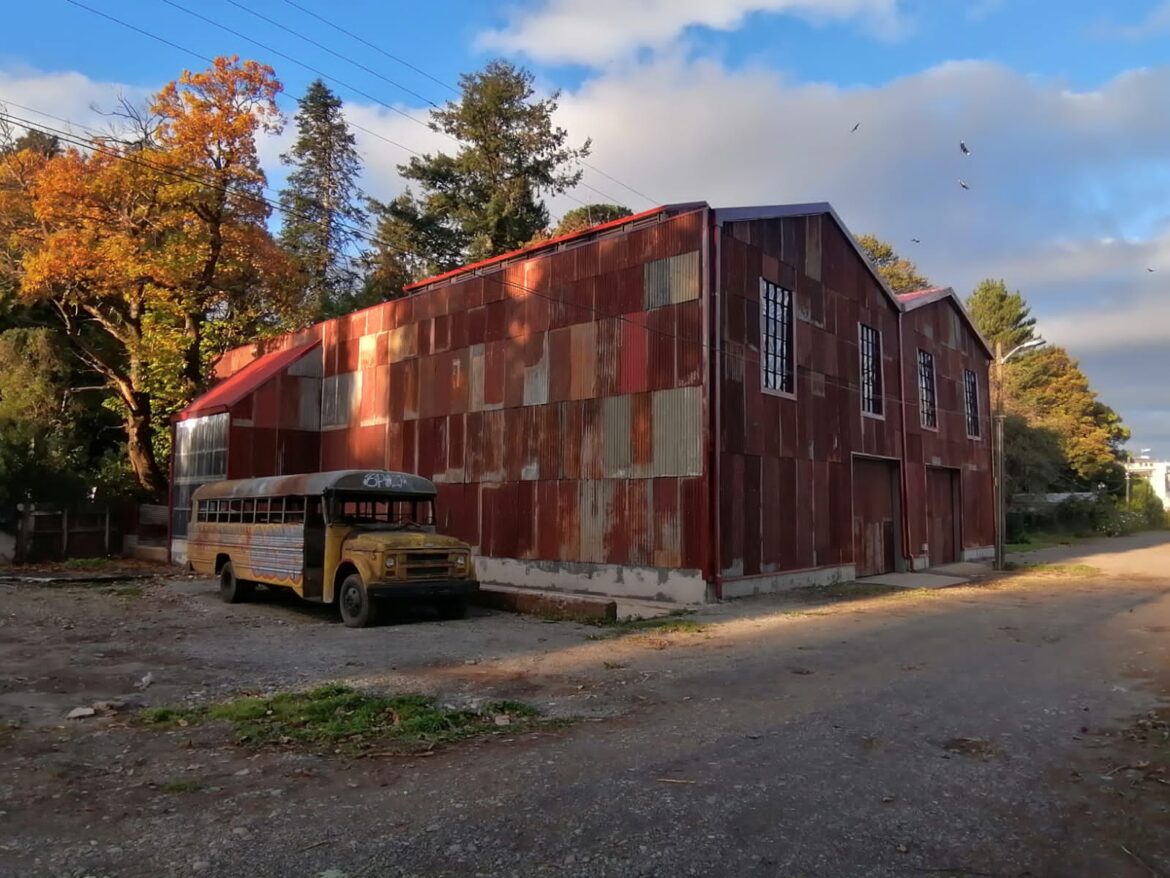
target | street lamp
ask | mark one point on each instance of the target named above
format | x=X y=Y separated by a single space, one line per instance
x=997 y=446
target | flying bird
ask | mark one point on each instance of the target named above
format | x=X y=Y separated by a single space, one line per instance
x=915 y=241
x=963 y=183
x=855 y=127
x=1151 y=270
x=964 y=148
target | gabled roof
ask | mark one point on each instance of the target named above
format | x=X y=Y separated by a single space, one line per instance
x=812 y=208
x=663 y=211
x=918 y=298
x=234 y=388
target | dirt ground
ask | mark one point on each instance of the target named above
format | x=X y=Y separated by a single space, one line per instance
x=1009 y=728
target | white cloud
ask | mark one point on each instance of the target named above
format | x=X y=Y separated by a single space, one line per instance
x=1156 y=21
x=1067 y=199
x=67 y=95
x=596 y=31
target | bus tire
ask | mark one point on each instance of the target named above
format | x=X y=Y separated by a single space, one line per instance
x=231 y=589
x=357 y=606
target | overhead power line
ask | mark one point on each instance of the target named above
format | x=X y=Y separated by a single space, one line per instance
x=361 y=234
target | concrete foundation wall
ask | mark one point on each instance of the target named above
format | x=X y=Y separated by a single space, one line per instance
x=742 y=588
x=652 y=583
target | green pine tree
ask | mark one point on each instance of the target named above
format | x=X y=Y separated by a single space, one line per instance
x=1001 y=316
x=321 y=204
x=487 y=198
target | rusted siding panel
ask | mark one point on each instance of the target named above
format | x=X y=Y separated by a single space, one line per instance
x=678 y=432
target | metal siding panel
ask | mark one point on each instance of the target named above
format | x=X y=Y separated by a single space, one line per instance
x=536 y=375
x=639 y=522
x=752 y=535
x=671 y=280
x=592 y=440
x=617 y=430
x=642 y=435
x=678 y=434
x=593 y=513
x=583 y=341
x=633 y=370
x=667 y=534
x=571 y=429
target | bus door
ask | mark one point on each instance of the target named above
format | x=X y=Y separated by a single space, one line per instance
x=314 y=569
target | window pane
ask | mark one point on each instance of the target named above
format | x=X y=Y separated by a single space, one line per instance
x=776 y=337
x=869 y=340
x=971 y=400
x=928 y=412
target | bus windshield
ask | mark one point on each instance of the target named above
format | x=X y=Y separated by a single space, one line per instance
x=392 y=513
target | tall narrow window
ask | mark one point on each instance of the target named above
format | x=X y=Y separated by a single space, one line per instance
x=870 y=342
x=971 y=401
x=776 y=328
x=927 y=408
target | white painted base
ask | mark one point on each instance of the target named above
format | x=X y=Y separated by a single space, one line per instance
x=920 y=562
x=653 y=583
x=179 y=552
x=131 y=549
x=742 y=588
x=979 y=553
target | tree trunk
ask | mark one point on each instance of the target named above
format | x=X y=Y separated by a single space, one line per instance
x=193 y=356
x=140 y=450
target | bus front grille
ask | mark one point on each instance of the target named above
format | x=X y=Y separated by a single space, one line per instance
x=428 y=565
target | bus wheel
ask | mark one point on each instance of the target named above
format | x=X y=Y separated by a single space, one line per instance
x=233 y=590
x=357 y=606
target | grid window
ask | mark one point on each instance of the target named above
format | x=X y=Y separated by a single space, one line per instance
x=777 y=331
x=927 y=405
x=870 y=341
x=971 y=401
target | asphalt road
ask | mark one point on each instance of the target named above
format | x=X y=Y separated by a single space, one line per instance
x=971 y=731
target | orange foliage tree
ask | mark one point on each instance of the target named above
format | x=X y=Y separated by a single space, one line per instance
x=155 y=255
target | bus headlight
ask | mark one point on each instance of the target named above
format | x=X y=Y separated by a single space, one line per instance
x=460 y=563
x=391 y=562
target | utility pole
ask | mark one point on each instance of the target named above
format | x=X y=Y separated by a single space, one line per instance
x=997 y=457
x=997 y=451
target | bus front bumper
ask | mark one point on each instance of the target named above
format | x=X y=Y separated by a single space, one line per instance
x=429 y=589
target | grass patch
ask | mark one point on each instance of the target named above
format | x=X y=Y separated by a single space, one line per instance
x=1037 y=541
x=182 y=786
x=1056 y=569
x=125 y=591
x=345 y=719
x=87 y=563
x=674 y=623
x=844 y=591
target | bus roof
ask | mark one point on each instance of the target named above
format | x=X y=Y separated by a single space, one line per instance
x=362 y=481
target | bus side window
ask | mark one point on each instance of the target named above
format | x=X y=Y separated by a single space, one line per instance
x=262 y=511
x=294 y=510
x=234 y=511
x=313 y=512
x=220 y=510
x=249 y=514
x=276 y=510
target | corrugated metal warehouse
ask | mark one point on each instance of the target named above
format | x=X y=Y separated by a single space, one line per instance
x=690 y=403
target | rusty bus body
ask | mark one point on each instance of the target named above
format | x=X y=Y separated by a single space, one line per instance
x=347 y=536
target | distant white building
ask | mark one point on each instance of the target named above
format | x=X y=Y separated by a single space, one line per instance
x=1157 y=472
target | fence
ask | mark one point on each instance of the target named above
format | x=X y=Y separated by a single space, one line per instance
x=49 y=533
x=147 y=539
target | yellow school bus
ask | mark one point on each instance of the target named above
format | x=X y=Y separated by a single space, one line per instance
x=350 y=537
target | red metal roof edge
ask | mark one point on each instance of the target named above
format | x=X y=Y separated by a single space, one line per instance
x=920 y=298
x=239 y=384
x=537 y=247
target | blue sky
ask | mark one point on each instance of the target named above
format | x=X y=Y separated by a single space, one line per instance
x=751 y=101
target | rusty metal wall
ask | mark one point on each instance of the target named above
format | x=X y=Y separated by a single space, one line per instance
x=558 y=401
x=786 y=493
x=938 y=329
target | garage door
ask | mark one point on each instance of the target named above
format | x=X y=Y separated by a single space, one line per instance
x=942 y=507
x=875 y=515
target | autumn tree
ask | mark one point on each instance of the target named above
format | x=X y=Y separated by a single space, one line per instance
x=321 y=205
x=1048 y=389
x=1000 y=315
x=486 y=198
x=900 y=274
x=155 y=255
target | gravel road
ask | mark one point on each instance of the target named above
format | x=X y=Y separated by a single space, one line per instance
x=1009 y=728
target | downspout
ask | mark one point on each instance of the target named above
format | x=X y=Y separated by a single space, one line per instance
x=907 y=553
x=171 y=495
x=715 y=422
